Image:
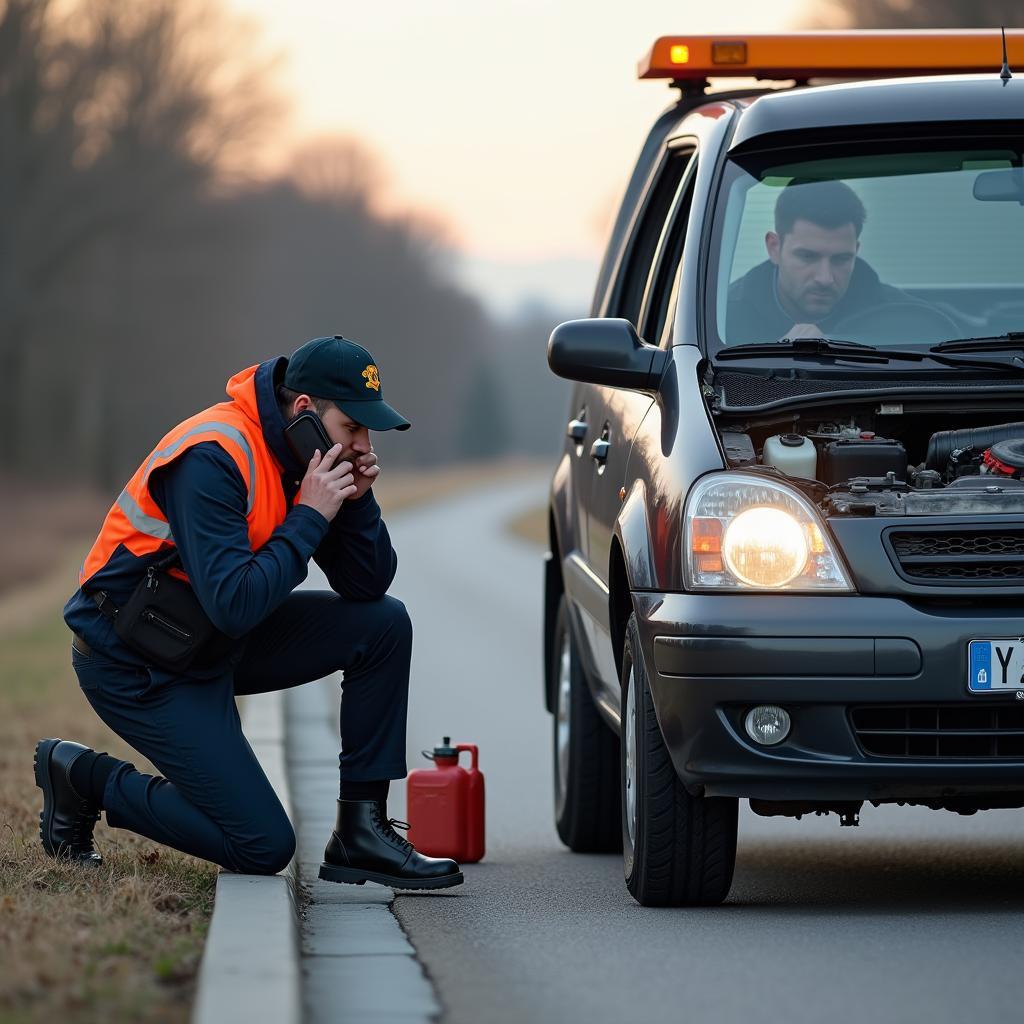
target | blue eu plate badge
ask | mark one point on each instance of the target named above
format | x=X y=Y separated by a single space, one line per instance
x=981 y=665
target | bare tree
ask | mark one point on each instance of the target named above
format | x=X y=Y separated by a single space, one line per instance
x=338 y=171
x=334 y=264
x=919 y=13
x=139 y=267
x=108 y=111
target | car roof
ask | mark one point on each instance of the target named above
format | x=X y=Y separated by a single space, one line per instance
x=946 y=98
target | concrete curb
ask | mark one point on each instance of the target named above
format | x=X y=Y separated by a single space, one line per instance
x=250 y=970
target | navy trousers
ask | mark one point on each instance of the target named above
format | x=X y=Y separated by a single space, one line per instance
x=213 y=800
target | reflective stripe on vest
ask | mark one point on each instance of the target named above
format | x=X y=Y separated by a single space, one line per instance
x=144 y=524
x=211 y=426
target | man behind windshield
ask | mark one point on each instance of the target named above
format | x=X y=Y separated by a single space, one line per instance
x=813 y=278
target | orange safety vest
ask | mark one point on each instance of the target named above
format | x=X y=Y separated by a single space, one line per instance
x=135 y=519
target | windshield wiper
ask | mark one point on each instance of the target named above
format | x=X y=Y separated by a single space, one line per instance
x=857 y=350
x=801 y=346
x=997 y=342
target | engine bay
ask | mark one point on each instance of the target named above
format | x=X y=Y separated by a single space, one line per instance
x=882 y=460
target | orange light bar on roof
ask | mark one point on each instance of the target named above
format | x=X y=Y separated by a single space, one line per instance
x=833 y=54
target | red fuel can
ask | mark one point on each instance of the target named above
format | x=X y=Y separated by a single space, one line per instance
x=445 y=805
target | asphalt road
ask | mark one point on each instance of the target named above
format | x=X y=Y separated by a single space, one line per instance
x=914 y=916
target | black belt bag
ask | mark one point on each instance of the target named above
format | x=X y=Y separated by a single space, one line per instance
x=164 y=622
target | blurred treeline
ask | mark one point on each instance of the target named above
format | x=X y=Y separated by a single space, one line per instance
x=145 y=257
x=917 y=13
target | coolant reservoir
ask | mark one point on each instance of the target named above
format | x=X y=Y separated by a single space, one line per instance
x=793 y=454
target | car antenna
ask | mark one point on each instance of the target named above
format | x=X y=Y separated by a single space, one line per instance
x=1005 y=74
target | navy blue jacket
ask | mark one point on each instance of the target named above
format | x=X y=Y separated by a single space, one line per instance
x=203 y=495
x=756 y=315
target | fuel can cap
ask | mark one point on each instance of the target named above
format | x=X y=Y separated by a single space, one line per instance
x=446 y=749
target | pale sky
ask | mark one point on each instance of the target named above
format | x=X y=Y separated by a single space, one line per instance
x=515 y=122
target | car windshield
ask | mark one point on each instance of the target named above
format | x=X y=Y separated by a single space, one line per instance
x=898 y=248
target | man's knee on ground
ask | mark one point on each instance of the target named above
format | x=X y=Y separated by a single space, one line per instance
x=265 y=854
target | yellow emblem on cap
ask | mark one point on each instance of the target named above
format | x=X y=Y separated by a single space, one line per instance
x=372 y=379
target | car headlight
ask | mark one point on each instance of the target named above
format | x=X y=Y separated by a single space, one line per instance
x=744 y=533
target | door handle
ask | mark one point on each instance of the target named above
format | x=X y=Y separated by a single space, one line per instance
x=577 y=430
x=599 y=449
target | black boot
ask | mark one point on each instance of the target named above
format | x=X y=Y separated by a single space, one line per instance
x=365 y=848
x=67 y=818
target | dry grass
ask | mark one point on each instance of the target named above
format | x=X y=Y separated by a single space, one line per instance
x=42 y=526
x=531 y=526
x=122 y=943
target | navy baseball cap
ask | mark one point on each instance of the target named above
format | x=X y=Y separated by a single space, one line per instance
x=344 y=372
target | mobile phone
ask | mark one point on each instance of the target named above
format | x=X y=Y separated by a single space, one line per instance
x=305 y=434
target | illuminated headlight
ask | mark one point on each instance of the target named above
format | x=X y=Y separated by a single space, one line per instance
x=744 y=533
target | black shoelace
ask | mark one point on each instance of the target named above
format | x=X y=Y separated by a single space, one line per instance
x=81 y=829
x=389 y=827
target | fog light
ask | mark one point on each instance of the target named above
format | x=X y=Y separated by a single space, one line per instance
x=767 y=724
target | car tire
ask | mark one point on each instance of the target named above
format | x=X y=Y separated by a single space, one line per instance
x=678 y=850
x=586 y=754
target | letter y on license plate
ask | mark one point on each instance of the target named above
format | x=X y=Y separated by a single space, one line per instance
x=994 y=665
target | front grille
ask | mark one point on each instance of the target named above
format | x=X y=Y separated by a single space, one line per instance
x=954 y=556
x=964 y=732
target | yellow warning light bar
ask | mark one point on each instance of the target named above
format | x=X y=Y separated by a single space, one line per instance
x=833 y=54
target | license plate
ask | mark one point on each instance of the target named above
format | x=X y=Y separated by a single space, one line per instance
x=995 y=665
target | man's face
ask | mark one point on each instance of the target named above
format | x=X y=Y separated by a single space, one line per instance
x=815 y=265
x=344 y=430
x=340 y=427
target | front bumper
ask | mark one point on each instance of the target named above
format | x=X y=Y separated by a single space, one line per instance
x=710 y=658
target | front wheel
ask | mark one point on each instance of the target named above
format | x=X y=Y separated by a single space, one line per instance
x=678 y=850
x=586 y=754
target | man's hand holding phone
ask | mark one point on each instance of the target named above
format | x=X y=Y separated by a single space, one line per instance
x=327 y=483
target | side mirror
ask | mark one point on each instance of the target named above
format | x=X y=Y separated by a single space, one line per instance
x=605 y=351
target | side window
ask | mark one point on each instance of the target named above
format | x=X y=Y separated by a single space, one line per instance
x=663 y=282
x=635 y=271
